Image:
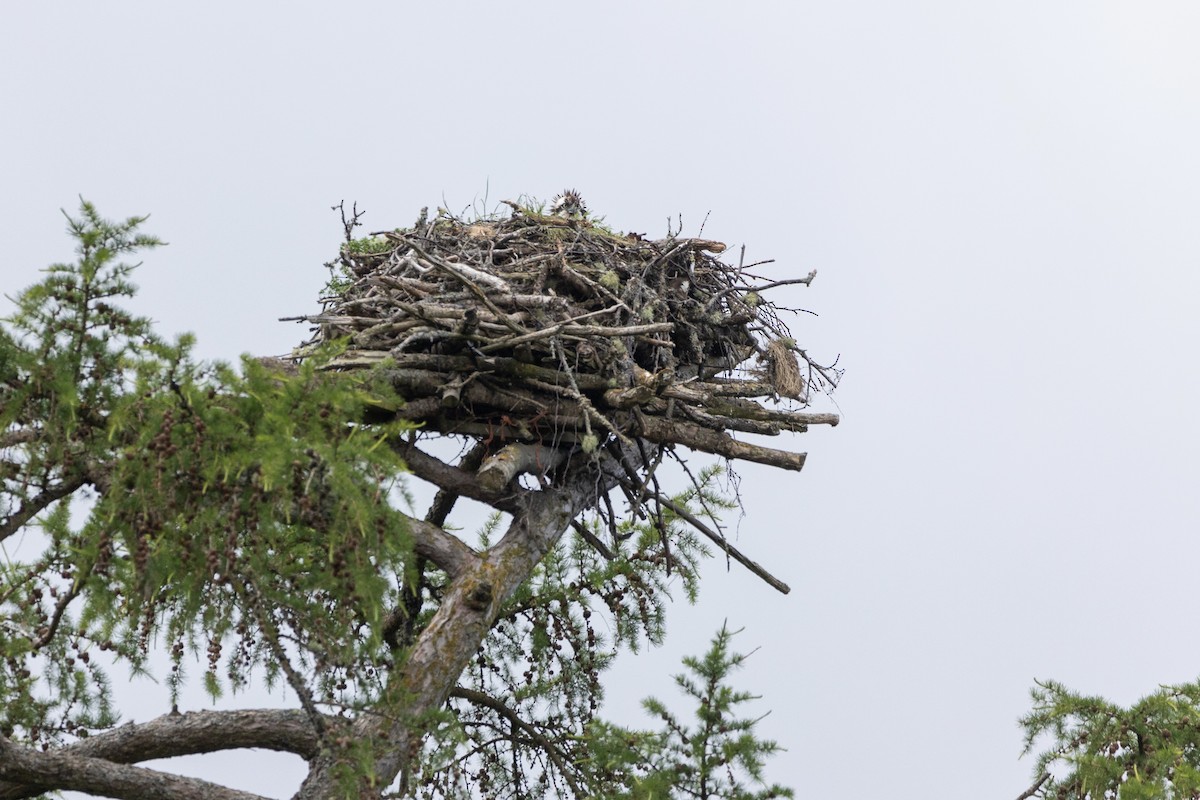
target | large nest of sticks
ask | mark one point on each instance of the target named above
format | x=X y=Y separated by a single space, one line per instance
x=544 y=327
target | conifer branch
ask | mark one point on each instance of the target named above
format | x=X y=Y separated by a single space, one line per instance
x=1033 y=790
x=556 y=755
x=31 y=508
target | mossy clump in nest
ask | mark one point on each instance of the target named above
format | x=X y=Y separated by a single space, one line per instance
x=545 y=327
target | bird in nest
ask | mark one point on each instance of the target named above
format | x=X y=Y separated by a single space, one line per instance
x=568 y=204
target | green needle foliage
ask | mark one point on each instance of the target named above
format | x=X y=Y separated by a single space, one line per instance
x=718 y=757
x=159 y=510
x=1092 y=748
x=227 y=512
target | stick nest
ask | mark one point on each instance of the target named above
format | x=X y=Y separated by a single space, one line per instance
x=550 y=329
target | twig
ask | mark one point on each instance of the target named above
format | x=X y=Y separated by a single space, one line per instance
x=721 y=542
x=1033 y=790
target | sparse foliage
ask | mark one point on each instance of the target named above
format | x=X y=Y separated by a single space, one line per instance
x=715 y=758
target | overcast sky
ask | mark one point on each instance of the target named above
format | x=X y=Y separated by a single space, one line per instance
x=1002 y=203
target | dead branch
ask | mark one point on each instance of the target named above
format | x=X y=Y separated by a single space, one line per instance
x=721 y=542
x=717 y=442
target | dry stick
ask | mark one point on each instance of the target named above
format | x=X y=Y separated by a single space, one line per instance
x=519 y=399
x=596 y=287
x=562 y=361
x=410 y=285
x=729 y=387
x=717 y=443
x=806 y=280
x=506 y=366
x=338 y=319
x=745 y=419
x=462 y=277
x=612 y=518
x=513 y=433
x=820 y=370
x=712 y=301
x=464 y=273
x=749 y=410
x=680 y=244
x=733 y=423
x=589 y=410
x=446 y=301
x=615 y=331
x=449 y=309
x=578 y=330
x=720 y=403
x=1032 y=790
x=722 y=542
x=589 y=537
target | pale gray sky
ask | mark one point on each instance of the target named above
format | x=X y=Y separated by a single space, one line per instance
x=1001 y=200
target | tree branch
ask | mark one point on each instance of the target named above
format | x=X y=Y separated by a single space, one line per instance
x=560 y=759
x=405 y=615
x=250 y=596
x=444 y=476
x=18 y=436
x=25 y=772
x=194 y=733
x=447 y=551
x=28 y=510
x=1033 y=790
x=720 y=540
x=691 y=435
x=589 y=537
x=443 y=501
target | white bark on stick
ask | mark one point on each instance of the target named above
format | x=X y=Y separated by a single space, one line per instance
x=514 y=459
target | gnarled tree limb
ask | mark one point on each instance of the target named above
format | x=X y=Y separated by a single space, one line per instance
x=100 y=764
x=444 y=476
x=448 y=552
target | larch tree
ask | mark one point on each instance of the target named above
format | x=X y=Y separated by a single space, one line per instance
x=1090 y=747
x=161 y=514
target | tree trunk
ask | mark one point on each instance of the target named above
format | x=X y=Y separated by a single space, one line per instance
x=468 y=609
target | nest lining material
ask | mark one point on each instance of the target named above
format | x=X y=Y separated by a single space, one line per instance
x=550 y=330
